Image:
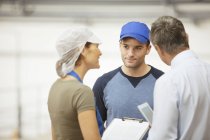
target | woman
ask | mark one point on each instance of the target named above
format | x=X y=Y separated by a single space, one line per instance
x=70 y=103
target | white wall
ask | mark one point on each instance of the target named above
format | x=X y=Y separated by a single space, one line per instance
x=28 y=56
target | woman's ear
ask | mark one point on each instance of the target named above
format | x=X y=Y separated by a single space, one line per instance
x=84 y=51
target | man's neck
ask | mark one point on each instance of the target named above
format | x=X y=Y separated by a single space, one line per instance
x=136 y=72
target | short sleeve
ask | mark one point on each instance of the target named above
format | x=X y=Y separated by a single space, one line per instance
x=84 y=99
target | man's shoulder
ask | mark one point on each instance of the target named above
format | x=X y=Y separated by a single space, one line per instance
x=102 y=81
x=156 y=72
x=110 y=74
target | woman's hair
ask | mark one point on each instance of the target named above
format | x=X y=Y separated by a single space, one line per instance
x=169 y=34
x=87 y=45
x=66 y=59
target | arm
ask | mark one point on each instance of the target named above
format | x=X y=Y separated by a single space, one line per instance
x=165 y=115
x=98 y=93
x=53 y=133
x=88 y=125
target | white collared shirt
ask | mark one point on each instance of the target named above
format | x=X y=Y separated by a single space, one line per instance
x=182 y=101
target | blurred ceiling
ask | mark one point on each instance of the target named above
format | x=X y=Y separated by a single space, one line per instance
x=193 y=9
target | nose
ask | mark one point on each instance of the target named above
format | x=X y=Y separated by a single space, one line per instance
x=130 y=52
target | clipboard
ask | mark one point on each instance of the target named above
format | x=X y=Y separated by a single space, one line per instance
x=126 y=129
x=146 y=111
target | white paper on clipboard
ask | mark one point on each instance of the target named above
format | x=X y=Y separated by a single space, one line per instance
x=126 y=129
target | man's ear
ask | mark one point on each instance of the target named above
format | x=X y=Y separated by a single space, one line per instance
x=164 y=56
x=148 y=48
x=158 y=49
x=187 y=37
x=160 y=52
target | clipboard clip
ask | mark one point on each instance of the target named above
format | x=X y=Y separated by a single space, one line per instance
x=134 y=119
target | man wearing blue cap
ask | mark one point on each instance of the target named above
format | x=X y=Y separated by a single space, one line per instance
x=119 y=92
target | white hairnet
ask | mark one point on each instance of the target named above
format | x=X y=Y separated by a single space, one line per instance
x=70 y=44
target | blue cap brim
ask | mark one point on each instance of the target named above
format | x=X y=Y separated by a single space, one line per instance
x=139 y=38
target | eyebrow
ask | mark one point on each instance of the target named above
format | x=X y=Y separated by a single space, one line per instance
x=140 y=45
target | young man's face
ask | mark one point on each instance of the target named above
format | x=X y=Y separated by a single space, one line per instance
x=133 y=52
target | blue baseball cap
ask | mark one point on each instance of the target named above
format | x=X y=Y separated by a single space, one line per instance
x=136 y=30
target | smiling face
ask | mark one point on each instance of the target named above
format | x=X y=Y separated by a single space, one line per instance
x=133 y=52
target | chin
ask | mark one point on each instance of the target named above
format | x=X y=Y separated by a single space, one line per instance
x=130 y=65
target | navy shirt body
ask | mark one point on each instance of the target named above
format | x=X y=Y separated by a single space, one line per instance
x=118 y=95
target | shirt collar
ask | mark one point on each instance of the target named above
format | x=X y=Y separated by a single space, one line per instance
x=181 y=57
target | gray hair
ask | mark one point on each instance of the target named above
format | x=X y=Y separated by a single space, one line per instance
x=169 y=34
